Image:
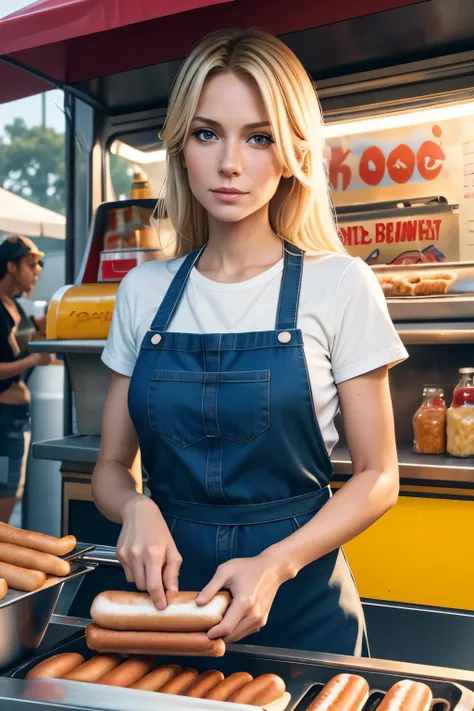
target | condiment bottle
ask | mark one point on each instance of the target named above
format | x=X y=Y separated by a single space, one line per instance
x=429 y=423
x=460 y=416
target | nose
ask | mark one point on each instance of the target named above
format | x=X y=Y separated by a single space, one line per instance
x=231 y=159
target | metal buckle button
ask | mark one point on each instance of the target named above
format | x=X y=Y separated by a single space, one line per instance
x=155 y=339
x=284 y=337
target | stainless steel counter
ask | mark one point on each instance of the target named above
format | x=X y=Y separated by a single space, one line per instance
x=85 y=449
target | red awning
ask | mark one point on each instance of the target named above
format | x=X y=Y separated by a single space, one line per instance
x=69 y=41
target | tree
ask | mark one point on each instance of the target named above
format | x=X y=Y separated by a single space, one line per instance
x=32 y=164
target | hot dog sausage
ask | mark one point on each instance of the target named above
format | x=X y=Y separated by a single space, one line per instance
x=157 y=678
x=3 y=588
x=21 y=578
x=407 y=695
x=348 y=691
x=169 y=643
x=94 y=668
x=135 y=611
x=34 y=560
x=224 y=689
x=130 y=671
x=180 y=682
x=36 y=541
x=203 y=684
x=55 y=667
x=263 y=690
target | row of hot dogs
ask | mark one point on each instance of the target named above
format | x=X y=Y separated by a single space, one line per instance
x=344 y=692
x=28 y=558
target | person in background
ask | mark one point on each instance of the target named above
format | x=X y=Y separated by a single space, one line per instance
x=20 y=267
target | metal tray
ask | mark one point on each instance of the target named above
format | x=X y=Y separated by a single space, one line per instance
x=303 y=679
x=25 y=616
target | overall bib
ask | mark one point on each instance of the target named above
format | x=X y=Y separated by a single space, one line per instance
x=236 y=461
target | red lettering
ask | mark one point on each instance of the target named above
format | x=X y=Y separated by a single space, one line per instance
x=372 y=165
x=379 y=232
x=422 y=230
x=338 y=169
x=398 y=232
x=364 y=236
x=401 y=163
x=389 y=237
x=430 y=160
x=437 y=226
x=410 y=230
x=354 y=236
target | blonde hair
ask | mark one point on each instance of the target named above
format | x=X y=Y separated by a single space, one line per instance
x=301 y=209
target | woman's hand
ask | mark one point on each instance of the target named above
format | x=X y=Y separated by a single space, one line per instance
x=147 y=551
x=253 y=583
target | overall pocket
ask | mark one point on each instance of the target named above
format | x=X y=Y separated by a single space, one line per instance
x=185 y=407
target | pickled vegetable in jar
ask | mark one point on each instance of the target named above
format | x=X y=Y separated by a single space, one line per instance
x=460 y=417
x=429 y=423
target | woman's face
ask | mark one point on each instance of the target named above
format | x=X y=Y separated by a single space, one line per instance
x=230 y=157
x=28 y=270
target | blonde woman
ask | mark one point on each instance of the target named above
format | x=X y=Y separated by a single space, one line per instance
x=230 y=363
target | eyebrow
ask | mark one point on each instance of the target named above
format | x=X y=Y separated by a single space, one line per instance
x=203 y=119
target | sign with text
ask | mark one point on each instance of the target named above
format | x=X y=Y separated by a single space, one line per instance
x=402 y=236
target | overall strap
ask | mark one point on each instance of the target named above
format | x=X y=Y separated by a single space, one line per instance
x=287 y=313
x=172 y=297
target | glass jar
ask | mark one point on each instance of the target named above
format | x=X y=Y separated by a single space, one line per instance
x=429 y=423
x=460 y=417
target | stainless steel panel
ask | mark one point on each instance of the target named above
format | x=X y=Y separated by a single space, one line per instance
x=74 y=448
x=71 y=346
x=24 y=616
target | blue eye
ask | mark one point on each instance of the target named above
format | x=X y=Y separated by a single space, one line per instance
x=261 y=140
x=204 y=134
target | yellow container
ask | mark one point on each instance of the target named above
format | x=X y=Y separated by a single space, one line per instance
x=81 y=312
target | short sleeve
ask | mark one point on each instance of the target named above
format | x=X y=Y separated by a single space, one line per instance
x=120 y=352
x=364 y=337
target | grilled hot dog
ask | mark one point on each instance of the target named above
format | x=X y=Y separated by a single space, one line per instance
x=34 y=560
x=135 y=611
x=21 y=578
x=204 y=683
x=56 y=667
x=3 y=588
x=180 y=683
x=95 y=668
x=157 y=678
x=347 y=691
x=169 y=643
x=36 y=541
x=263 y=690
x=407 y=695
x=129 y=671
x=224 y=689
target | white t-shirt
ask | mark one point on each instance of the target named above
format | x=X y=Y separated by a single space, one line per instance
x=342 y=312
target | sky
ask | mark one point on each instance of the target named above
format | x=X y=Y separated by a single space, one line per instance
x=30 y=108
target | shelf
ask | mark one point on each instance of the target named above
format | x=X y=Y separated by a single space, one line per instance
x=416 y=466
x=435 y=332
x=83 y=449
x=60 y=347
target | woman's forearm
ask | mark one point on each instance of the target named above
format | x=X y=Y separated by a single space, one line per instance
x=354 y=507
x=17 y=367
x=113 y=487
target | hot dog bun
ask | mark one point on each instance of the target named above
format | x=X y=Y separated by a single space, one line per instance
x=204 y=683
x=3 y=588
x=263 y=690
x=21 y=578
x=347 y=691
x=135 y=611
x=407 y=695
x=36 y=541
x=34 y=560
x=224 y=689
x=95 y=668
x=56 y=667
x=169 y=643
x=157 y=678
x=180 y=683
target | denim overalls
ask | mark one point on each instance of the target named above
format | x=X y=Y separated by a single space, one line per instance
x=236 y=461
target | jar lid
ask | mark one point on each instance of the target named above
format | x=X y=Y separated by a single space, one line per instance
x=433 y=392
x=466 y=371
